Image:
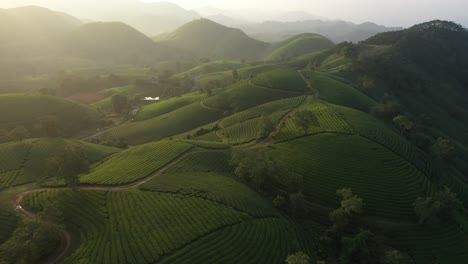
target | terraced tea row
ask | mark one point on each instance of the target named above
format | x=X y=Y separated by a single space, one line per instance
x=161 y=108
x=377 y=131
x=328 y=121
x=135 y=163
x=256 y=241
x=173 y=123
x=265 y=109
x=284 y=79
x=8 y=222
x=206 y=161
x=250 y=130
x=25 y=162
x=388 y=184
x=217 y=187
x=122 y=229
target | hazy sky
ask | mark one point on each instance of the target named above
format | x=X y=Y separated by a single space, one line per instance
x=387 y=12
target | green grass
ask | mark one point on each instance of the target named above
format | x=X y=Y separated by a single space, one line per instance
x=25 y=161
x=388 y=184
x=163 y=107
x=258 y=241
x=135 y=227
x=283 y=79
x=173 y=123
x=337 y=92
x=29 y=110
x=299 y=45
x=135 y=163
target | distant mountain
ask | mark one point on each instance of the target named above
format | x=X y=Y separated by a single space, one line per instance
x=205 y=38
x=337 y=31
x=299 y=45
x=30 y=30
x=112 y=42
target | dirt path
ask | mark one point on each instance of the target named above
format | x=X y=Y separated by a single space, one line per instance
x=66 y=240
x=309 y=84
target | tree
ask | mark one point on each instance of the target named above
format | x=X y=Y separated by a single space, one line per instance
x=235 y=75
x=267 y=126
x=441 y=206
x=50 y=127
x=34 y=239
x=253 y=167
x=403 y=123
x=19 y=133
x=304 y=119
x=120 y=104
x=75 y=162
x=395 y=257
x=68 y=165
x=386 y=111
x=443 y=149
x=298 y=206
x=351 y=205
x=279 y=201
x=356 y=249
x=4 y=136
x=298 y=258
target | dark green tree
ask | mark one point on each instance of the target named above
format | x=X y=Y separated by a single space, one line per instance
x=443 y=149
x=305 y=119
x=120 y=104
x=440 y=206
x=19 y=133
x=351 y=205
x=235 y=75
x=298 y=258
x=253 y=167
x=395 y=257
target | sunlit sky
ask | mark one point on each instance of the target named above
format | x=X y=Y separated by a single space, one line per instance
x=387 y=12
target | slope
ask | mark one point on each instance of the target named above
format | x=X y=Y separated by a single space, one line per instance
x=34 y=111
x=205 y=38
x=297 y=46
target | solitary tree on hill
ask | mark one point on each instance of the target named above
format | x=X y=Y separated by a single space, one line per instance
x=351 y=205
x=235 y=74
x=68 y=165
x=298 y=258
x=441 y=206
x=19 y=133
x=305 y=119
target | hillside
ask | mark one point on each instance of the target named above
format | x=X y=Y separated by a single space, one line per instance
x=113 y=43
x=297 y=46
x=28 y=31
x=38 y=114
x=340 y=154
x=207 y=39
x=335 y=30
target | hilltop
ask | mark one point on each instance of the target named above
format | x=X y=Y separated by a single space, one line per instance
x=113 y=42
x=205 y=38
x=299 y=45
x=32 y=30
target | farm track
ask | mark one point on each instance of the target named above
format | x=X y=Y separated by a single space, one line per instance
x=66 y=240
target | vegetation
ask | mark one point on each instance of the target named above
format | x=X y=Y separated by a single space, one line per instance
x=441 y=206
x=282 y=79
x=297 y=46
x=135 y=163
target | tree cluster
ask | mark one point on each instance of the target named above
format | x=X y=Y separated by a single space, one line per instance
x=34 y=239
x=439 y=207
x=305 y=119
x=71 y=162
